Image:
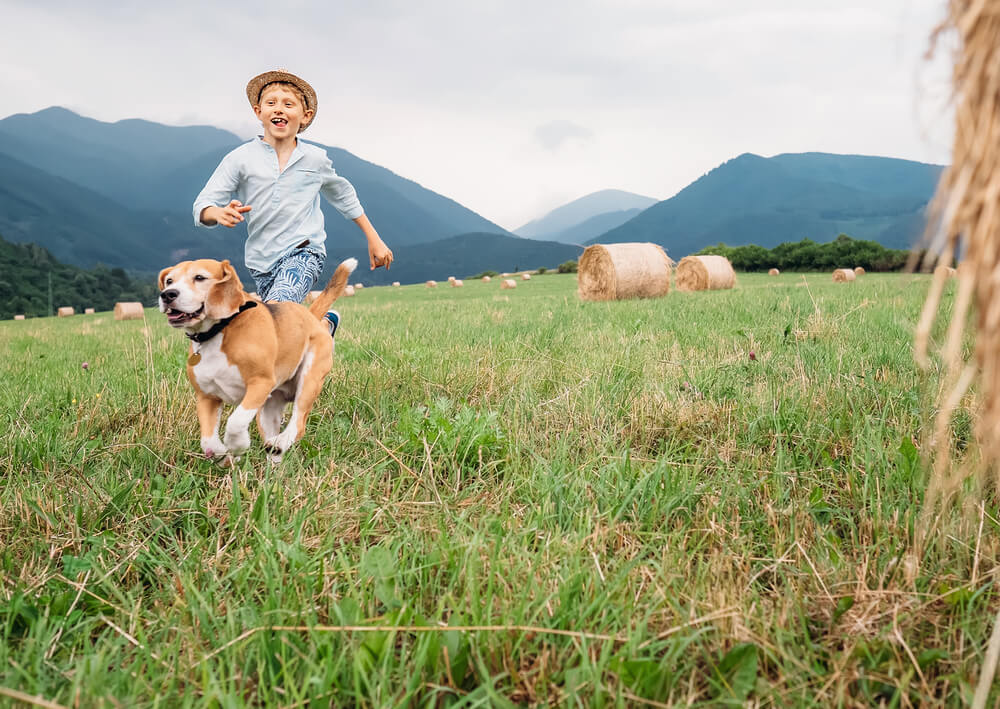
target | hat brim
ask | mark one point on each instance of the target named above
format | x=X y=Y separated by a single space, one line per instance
x=256 y=86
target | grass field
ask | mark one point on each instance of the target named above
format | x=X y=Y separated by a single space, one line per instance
x=703 y=499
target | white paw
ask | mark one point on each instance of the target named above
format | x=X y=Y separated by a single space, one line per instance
x=237 y=441
x=213 y=447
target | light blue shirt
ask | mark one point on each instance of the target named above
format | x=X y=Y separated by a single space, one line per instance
x=286 y=209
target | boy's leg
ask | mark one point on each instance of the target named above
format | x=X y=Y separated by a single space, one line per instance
x=294 y=276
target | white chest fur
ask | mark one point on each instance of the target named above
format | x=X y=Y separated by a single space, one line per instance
x=215 y=375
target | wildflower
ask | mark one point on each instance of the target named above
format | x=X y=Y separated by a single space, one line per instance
x=85 y=365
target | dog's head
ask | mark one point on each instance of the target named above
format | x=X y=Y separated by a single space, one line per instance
x=195 y=291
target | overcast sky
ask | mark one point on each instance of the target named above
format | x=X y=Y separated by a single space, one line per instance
x=510 y=107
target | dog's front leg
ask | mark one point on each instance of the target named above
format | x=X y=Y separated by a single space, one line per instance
x=209 y=410
x=237 y=437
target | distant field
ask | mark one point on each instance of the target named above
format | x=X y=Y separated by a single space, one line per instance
x=697 y=499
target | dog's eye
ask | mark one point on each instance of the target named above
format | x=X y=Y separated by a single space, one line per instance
x=168 y=281
x=199 y=277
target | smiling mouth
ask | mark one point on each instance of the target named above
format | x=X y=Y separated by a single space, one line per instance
x=279 y=122
x=179 y=317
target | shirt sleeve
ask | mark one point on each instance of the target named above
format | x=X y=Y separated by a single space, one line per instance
x=219 y=189
x=340 y=192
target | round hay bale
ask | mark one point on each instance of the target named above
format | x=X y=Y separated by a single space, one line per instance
x=843 y=275
x=457 y=283
x=128 y=311
x=65 y=312
x=451 y=279
x=395 y=284
x=19 y=317
x=432 y=284
x=312 y=295
x=774 y=272
x=348 y=290
x=359 y=286
x=859 y=271
x=525 y=276
x=619 y=271
x=486 y=279
x=705 y=273
x=508 y=283
x=88 y=311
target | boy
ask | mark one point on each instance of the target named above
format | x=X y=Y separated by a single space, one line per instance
x=276 y=181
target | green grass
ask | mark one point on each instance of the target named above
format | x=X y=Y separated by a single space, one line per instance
x=643 y=512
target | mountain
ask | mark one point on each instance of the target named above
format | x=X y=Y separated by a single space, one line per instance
x=572 y=222
x=767 y=201
x=460 y=256
x=121 y=193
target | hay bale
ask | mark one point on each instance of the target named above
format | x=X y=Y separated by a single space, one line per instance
x=859 y=271
x=348 y=290
x=395 y=284
x=705 y=273
x=508 y=283
x=486 y=279
x=620 y=271
x=457 y=283
x=451 y=279
x=432 y=284
x=65 y=312
x=843 y=275
x=312 y=295
x=128 y=311
x=359 y=286
x=19 y=317
x=525 y=276
x=88 y=311
x=773 y=272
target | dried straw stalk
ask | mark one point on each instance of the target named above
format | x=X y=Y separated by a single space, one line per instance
x=705 y=273
x=966 y=206
x=620 y=271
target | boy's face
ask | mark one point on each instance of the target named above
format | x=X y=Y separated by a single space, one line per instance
x=281 y=112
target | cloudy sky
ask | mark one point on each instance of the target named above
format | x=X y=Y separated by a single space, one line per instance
x=510 y=107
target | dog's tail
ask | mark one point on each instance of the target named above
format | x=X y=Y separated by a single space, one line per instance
x=334 y=289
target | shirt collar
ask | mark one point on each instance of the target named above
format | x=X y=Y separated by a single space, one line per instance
x=297 y=152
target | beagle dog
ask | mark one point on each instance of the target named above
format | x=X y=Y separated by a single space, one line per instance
x=255 y=356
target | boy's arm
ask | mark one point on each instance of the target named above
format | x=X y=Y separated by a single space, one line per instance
x=378 y=253
x=219 y=191
x=342 y=195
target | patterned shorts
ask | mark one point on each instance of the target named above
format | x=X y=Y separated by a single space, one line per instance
x=291 y=278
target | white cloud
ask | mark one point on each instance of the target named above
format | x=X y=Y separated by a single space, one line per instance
x=510 y=107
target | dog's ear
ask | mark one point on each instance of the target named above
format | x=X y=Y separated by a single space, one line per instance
x=163 y=275
x=226 y=295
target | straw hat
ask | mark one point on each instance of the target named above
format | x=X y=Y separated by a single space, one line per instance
x=257 y=84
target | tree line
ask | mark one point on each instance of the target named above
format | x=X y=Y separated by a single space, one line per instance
x=807 y=255
x=26 y=271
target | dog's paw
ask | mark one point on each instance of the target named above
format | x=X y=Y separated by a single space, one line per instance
x=237 y=441
x=213 y=447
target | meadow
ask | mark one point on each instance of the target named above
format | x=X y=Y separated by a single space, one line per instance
x=503 y=498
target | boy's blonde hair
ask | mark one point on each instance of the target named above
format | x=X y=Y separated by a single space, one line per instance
x=286 y=85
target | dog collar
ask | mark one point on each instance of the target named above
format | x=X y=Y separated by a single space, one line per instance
x=211 y=332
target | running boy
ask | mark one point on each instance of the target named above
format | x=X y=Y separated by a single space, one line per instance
x=276 y=180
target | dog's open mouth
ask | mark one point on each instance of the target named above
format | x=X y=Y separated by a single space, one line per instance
x=179 y=317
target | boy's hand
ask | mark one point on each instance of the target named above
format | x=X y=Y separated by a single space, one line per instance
x=230 y=215
x=379 y=254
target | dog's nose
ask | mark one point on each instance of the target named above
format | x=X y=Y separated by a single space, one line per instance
x=168 y=296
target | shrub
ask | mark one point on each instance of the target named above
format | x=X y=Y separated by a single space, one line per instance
x=567 y=267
